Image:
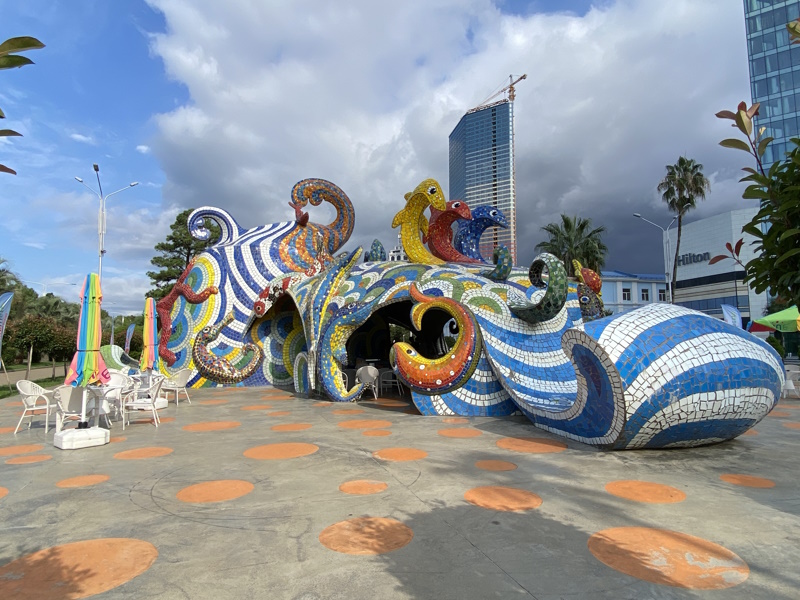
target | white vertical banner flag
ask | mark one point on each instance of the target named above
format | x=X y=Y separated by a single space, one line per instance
x=731 y=314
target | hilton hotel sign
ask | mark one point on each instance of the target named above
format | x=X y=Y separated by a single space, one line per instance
x=688 y=259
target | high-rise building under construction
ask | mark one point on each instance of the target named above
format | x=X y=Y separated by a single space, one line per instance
x=482 y=168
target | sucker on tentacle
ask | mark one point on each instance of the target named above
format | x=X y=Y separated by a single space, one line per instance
x=217 y=368
x=164 y=308
x=555 y=291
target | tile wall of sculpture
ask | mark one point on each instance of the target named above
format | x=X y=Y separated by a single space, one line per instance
x=485 y=340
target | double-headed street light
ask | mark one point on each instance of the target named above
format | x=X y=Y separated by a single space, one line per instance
x=667 y=266
x=101 y=217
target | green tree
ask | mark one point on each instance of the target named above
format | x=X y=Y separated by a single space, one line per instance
x=175 y=253
x=8 y=279
x=776 y=226
x=32 y=332
x=681 y=188
x=9 y=59
x=574 y=239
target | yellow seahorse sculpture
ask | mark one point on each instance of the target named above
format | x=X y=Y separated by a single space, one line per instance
x=411 y=220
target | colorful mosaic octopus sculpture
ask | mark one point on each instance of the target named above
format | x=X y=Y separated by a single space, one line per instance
x=217 y=368
x=485 y=342
x=468 y=237
x=164 y=308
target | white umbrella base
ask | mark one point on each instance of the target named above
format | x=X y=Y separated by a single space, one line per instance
x=75 y=439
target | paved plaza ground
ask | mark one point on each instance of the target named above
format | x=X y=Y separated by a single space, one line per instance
x=254 y=493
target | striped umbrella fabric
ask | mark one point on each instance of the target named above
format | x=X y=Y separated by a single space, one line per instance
x=150 y=350
x=88 y=366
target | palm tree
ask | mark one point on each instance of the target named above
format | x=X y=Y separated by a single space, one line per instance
x=681 y=188
x=7 y=278
x=574 y=238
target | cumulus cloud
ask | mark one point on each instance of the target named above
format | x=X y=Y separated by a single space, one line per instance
x=365 y=94
x=83 y=139
x=142 y=149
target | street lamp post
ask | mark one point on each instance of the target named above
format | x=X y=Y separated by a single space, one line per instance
x=667 y=256
x=101 y=217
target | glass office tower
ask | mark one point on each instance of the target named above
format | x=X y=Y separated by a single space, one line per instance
x=482 y=169
x=774 y=71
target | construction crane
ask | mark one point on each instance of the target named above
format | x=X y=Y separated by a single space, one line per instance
x=509 y=88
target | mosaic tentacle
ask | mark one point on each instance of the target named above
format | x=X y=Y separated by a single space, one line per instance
x=333 y=350
x=468 y=237
x=376 y=252
x=543 y=300
x=230 y=229
x=217 y=368
x=502 y=265
x=439 y=375
x=440 y=232
x=334 y=235
x=164 y=308
x=410 y=220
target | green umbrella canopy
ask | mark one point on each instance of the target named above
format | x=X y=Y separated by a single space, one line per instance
x=787 y=320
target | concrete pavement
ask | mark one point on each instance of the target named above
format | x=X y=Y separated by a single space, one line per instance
x=253 y=493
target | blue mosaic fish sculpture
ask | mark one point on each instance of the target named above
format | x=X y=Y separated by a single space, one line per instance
x=467 y=238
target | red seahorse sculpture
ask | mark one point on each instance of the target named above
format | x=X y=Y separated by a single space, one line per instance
x=164 y=307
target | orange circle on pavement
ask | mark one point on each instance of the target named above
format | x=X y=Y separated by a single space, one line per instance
x=779 y=413
x=751 y=432
x=459 y=432
x=26 y=449
x=15 y=403
x=6 y=429
x=348 y=411
x=668 y=558
x=212 y=402
x=211 y=426
x=278 y=398
x=323 y=404
x=114 y=440
x=366 y=536
x=363 y=487
x=258 y=407
x=279 y=413
x=3 y=492
x=141 y=453
x=376 y=432
x=291 y=427
x=531 y=445
x=495 y=465
x=365 y=424
x=280 y=451
x=31 y=458
x=506 y=499
x=84 y=569
x=390 y=402
x=747 y=480
x=645 y=491
x=455 y=420
x=791 y=425
x=82 y=481
x=215 y=491
x=400 y=454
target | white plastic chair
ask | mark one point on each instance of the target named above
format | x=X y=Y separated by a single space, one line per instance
x=35 y=399
x=388 y=379
x=177 y=383
x=137 y=399
x=369 y=377
x=69 y=402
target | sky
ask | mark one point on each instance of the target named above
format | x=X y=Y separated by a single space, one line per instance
x=206 y=103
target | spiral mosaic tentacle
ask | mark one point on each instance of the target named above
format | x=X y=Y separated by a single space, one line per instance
x=218 y=368
x=467 y=239
x=333 y=351
x=440 y=232
x=439 y=375
x=502 y=265
x=542 y=301
x=410 y=220
x=336 y=233
x=230 y=229
x=164 y=309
